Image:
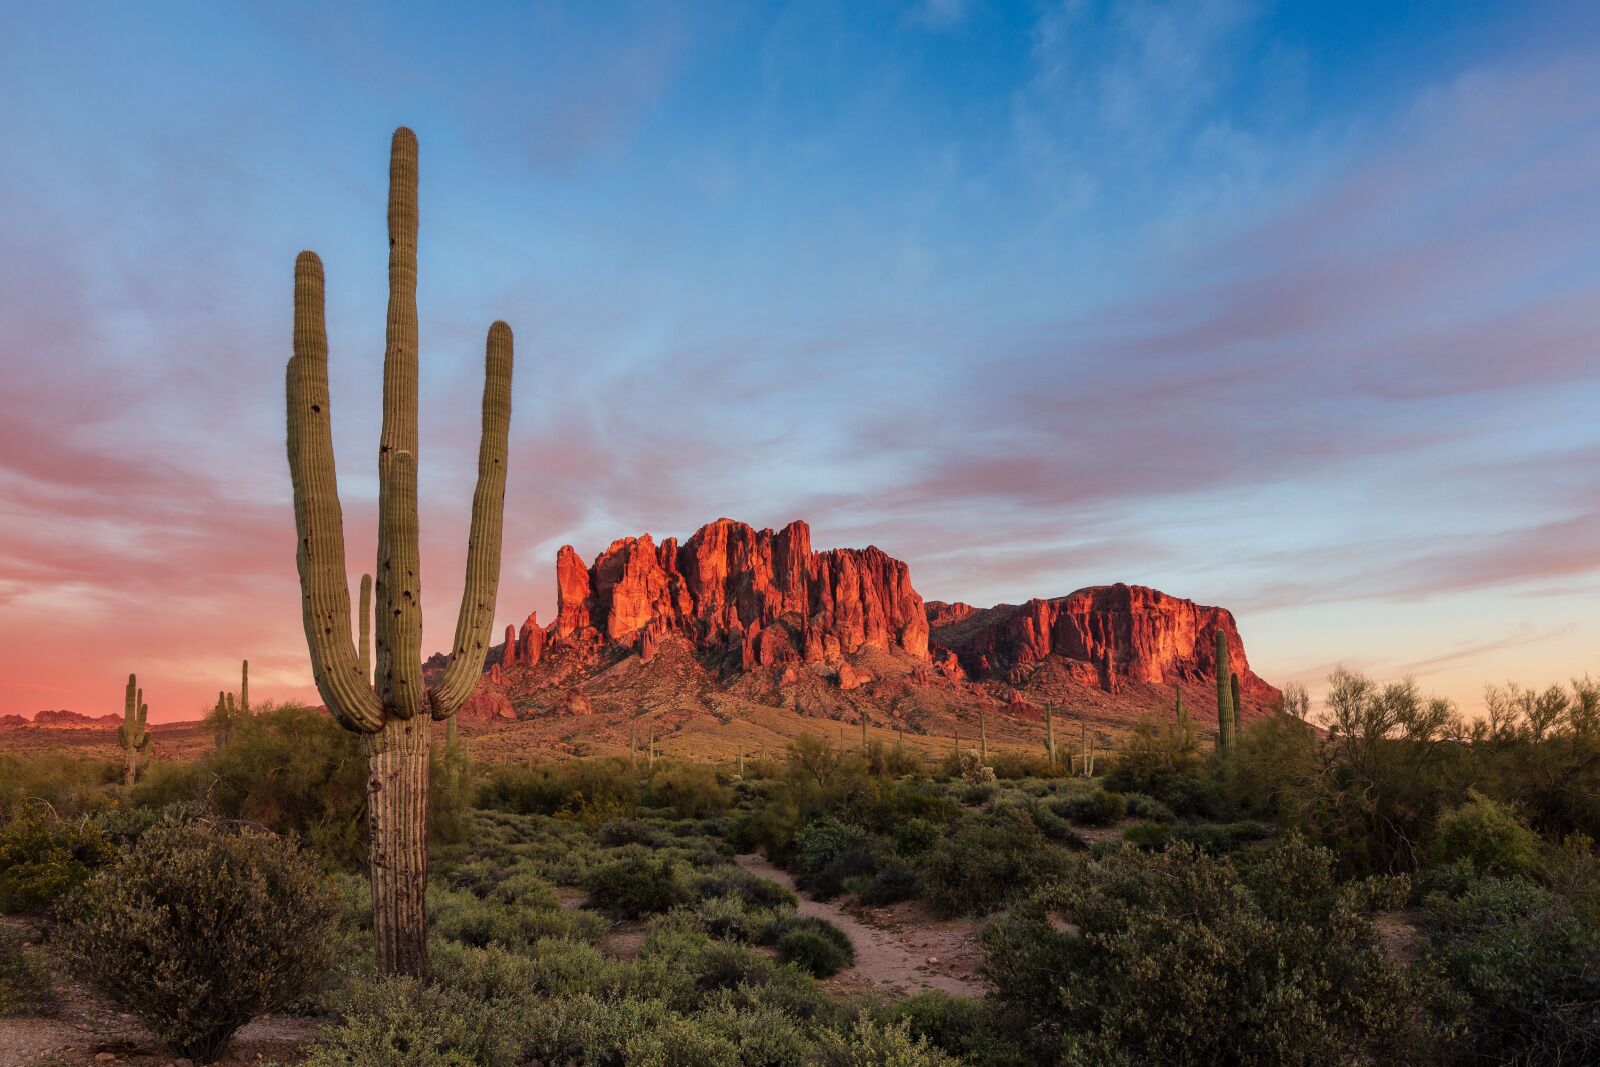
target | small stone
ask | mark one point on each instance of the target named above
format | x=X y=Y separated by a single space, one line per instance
x=103 y=1057
x=933 y=959
x=183 y=1063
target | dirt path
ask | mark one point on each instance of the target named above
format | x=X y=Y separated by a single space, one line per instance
x=903 y=950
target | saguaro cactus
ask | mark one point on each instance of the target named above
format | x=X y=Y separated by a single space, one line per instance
x=1237 y=705
x=365 y=612
x=386 y=711
x=244 y=687
x=1224 y=695
x=131 y=735
x=983 y=736
x=1050 y=732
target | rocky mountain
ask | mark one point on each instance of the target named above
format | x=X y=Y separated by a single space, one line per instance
x=63 y=720
x=734 y=621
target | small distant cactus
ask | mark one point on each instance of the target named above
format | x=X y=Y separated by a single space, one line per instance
x=1050 y=732
x=974 y=769
x=983 y=736
x=132 y=735
x=1224 y=695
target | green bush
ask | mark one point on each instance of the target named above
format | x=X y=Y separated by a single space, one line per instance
x=42 y=858
x=603 y=788
x=691 y=790
x=25 y=984
x=1141 y=806
x=965 y=1028
x=70 y=786
x=811 y=952
x=983 y=862
x=1174 y=957
x=635 y=886
x=890 y=885
x=1528 y=967
x=385 y=1021
x=1488 y=836
x=1100 y=808
x=195 y=929
x=816 y=945
x=916 y=836
x=869 y=1043
x=822 y=841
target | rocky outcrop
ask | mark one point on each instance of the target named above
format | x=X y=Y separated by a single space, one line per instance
x=1107 y=634
x=763 y=597
x=668 y=625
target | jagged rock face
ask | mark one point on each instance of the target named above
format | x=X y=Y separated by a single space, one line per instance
x=765 y=595
x=1111 y=633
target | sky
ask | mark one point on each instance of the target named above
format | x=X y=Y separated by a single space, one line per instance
x=1291 y=308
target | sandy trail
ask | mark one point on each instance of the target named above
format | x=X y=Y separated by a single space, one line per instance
x=908 y=953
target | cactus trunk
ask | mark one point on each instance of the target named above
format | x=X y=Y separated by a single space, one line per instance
x=397 y=810
x=1224 y=695
x=983 y=737
x=244 y=688
x=382 y=703
x=1050 y=733
x=365 y=652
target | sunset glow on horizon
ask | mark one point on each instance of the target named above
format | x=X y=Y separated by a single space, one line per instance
x=1287 y=310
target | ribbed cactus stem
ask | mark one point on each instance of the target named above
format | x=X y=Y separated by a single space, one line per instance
x=1237 y=704
x=380 y=695
x=1224 y=694
x=983 y=736
x=365 y=651
x=244 y=687
x=1050 y=732
x=131 y=735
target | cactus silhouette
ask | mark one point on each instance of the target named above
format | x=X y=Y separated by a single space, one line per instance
x=132 y=735
x=386 y=710
x=1224 y=695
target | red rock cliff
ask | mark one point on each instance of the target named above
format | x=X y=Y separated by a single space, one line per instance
x=1114 y=632
x=764 y=594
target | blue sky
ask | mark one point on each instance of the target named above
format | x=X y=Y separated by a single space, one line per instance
x=1290 y=308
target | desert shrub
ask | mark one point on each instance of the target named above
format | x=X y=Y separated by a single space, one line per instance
x=627 y=832
x=973 y=870
x=702 y=966
x=726 y=917
x=977 y=794
x=892 y=884
x=1157 y=750
x=853 y=867
x=1528 y=967
x=393 y=1020
x=811 y=952
x=1270 y=766
x=965 y=1028
x=166 y=783
x=822 y=841
x=635 y=886
x=195 y=929
x=1142 y=806
x=1174 y=957
x=70 y=786
x=465 y=918
x=1214 y=838
x=1100 y=808
x=42 y=858
x=25 y=983
x=604 y=788
x=869 y=1043
x=1191 y=796
x=755 y=891
x=691 y=790
x=294 y=771
x=916 y=836
x=816 y=945
x=621 y=1032
x=1487 y=836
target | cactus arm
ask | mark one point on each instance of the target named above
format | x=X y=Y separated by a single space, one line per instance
x=399 y=608
x=476 y=618
x=366 y=628
x=397 y=604
x=319 y=520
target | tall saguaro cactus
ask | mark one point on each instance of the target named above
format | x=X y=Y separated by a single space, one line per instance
x=1050 y=733
x=1224 y=695
x=386 y=709
x=1237 y=704
x=132 y=735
